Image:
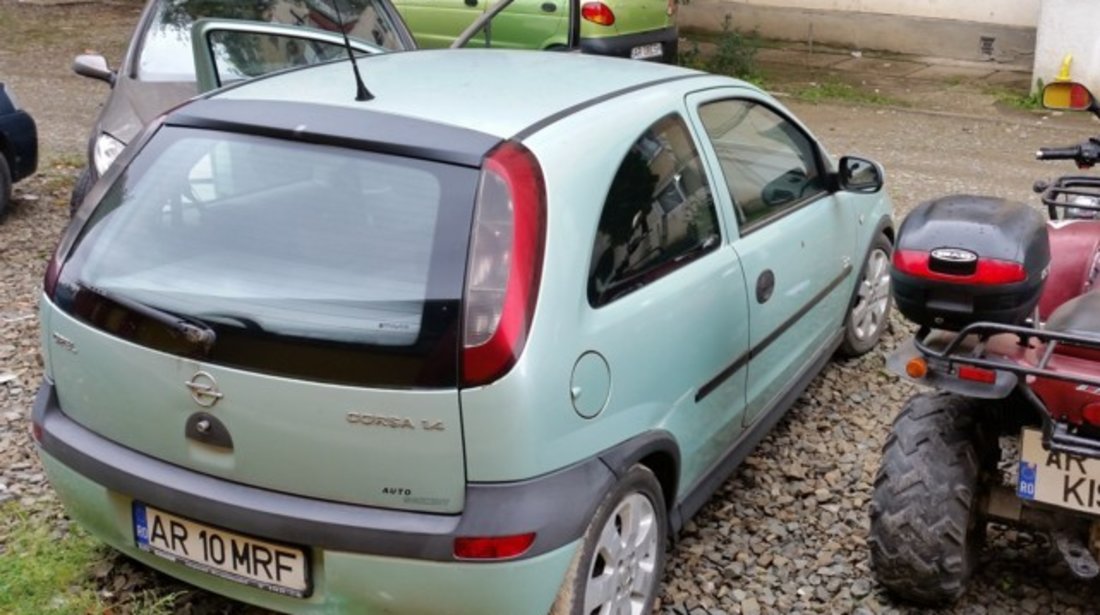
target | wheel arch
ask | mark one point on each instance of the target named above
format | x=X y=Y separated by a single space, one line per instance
x=656 y=450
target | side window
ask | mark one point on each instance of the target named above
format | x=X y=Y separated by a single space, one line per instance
x=769 y=164
x=659 y=213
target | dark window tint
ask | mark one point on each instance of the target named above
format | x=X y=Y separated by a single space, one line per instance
x=769 y=164
x=166 y=47
x=307 y=260
x=658 y=216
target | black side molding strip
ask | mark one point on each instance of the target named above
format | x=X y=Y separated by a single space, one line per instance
x=698 y=494
x=757 y=350
x=566 y=112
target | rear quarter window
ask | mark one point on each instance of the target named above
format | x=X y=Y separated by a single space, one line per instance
x=659 y=214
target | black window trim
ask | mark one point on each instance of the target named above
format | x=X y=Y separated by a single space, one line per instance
x=653 y=275
x=743 y=229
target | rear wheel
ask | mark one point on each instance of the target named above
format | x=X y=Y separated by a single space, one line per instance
x=618 y=568
x=5 y=187
x=870 y=308
x=925 y=527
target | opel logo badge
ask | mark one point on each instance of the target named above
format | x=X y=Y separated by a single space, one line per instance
x=954 y=255
x=204 y=389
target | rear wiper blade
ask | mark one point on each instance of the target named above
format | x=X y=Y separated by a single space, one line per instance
x=193 y=332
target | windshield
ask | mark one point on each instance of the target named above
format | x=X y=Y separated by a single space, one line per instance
x=268 y=241
x=166 y=46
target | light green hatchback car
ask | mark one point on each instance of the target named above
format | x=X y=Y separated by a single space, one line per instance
x=637 y=29
x=477 y=340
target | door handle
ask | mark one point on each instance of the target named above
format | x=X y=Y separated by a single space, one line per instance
x=470 y=2
x=549 y=7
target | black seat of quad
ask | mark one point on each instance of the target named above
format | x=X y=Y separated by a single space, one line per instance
x=1078 y=316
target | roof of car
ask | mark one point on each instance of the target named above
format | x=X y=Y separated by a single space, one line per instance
x=497 y=92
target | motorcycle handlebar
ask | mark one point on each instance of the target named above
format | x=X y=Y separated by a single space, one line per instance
x=1058 y=153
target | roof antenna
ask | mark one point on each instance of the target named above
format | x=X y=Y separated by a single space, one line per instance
x=361 y=91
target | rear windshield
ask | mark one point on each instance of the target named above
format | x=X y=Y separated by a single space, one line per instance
x=166 y=46
x=285 y=249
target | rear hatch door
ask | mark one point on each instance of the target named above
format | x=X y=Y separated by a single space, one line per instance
x=329 y=280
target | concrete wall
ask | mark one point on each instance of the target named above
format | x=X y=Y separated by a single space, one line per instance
x=1069 y=26
x=940 y=28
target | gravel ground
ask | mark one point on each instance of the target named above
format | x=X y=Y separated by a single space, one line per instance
x=786 y=533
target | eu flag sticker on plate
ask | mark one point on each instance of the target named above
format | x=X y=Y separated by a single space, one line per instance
x=141 y=526
x=1026 y=487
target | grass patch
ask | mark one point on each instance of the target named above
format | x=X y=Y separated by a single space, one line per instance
x=838 y=91
x=43 y=572
x=44 y=569
x=1018 y=99
x=734 y=54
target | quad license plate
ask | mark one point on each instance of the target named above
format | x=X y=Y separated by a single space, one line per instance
x=1064 y=480
x=274 y=567
x=645 y=52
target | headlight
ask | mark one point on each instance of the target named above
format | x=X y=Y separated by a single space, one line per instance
x=107 y=148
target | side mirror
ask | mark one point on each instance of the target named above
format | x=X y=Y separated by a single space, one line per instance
x=94 y=66
x=1068 y=96
x=860 y=175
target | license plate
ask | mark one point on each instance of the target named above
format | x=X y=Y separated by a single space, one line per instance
x=274 y=567
x=645 y=52
x=1064 y=480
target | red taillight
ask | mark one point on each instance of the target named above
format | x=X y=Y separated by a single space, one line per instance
x=988 y=271
x=1079 y=97
x=598 y=13
x=1091 y=414
x=493 y=547
x=977 y=374
x=502 y=276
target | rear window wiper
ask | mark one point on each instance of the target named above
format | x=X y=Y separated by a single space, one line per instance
x=193 y=332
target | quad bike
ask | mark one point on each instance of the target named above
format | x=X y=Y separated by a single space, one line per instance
x=1008 y=308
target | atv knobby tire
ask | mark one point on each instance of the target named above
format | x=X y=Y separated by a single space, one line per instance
x=925 y=527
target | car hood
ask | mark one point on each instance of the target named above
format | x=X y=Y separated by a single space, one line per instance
x=133 y=104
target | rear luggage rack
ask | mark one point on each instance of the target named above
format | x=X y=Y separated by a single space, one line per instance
x=1065 y=190
x=1058 y=436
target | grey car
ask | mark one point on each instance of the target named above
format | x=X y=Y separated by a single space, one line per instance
x=157 y=71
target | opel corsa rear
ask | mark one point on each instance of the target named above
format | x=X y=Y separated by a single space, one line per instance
x=328 y=349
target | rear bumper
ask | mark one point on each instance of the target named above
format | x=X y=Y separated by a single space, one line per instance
x=98 y=480
x=342 y=582
x=621 y=46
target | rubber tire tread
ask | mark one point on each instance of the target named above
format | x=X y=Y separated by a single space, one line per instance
x=850 y=347
x=639 y=478
x=923 y=542
x=5 y=187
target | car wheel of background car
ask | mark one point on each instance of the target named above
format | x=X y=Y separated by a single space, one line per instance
x=870 y=307
x=5 y=187
x=619 y=566
x=80 y=189
x=925 y=527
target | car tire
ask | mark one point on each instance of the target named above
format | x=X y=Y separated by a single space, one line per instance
x=83 y=184
x=869 y=310
x=926 y=530
x=622 y=556
x=5 y=187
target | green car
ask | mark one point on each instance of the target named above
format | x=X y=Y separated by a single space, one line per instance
x=637 y=29
x=476 y=337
